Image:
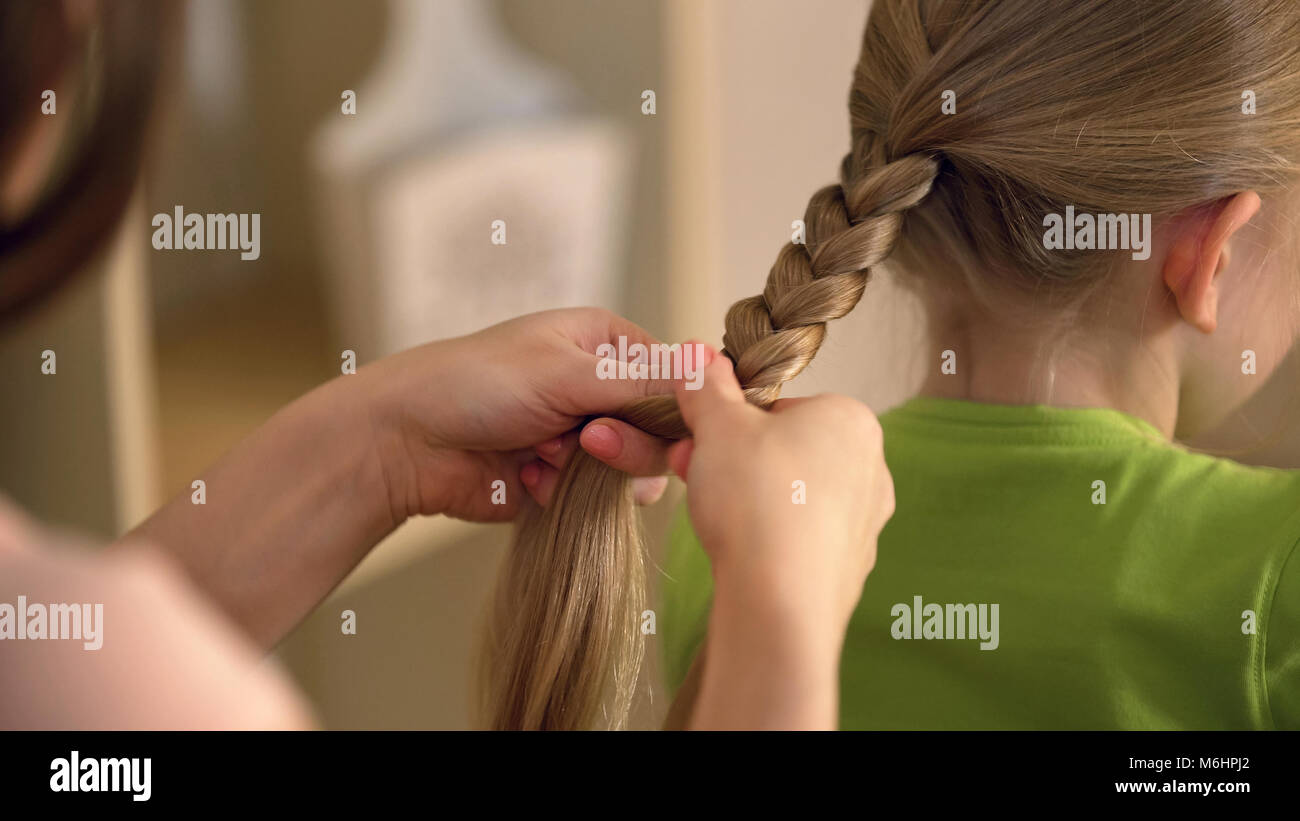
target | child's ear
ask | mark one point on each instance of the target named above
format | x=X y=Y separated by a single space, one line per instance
x=1198 y=253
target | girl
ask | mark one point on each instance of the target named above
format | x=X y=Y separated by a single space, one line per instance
x=1055 y=560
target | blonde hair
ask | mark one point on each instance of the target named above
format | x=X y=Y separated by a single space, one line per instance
x=1111 y=107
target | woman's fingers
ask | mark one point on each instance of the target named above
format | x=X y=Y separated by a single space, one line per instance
x=541 y=479
x=679 y=457
x=602 y=379
x=625 y=448
x=715 y=397
x=558 y=451
x=647 y=490
x=617 y=444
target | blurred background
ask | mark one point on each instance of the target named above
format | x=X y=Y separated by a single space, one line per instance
x=375 y=236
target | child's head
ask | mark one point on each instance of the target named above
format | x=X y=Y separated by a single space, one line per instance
x=1041 y=112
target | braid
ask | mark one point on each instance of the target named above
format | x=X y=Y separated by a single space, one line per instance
x=771 y=337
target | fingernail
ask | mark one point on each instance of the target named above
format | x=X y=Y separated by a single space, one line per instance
x=701 y=354
x=708 y=354
x=530 y=473
x=552 y=446
x=602 y=441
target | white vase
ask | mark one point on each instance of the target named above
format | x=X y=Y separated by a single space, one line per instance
x=456 y=129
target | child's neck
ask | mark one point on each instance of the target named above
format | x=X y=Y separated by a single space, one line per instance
x=1132 y=373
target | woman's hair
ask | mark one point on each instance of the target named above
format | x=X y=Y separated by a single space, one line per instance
x=1112 y=107
x=113 y=60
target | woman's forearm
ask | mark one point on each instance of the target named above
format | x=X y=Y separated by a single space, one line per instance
x=287 y=513
x=768 y=667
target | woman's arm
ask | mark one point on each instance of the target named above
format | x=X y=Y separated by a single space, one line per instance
x=293 y=508
x=788 y=568
x=287 y=513
x=765 y=668
x=146 y=654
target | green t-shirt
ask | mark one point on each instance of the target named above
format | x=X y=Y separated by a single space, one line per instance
x=1173 y=604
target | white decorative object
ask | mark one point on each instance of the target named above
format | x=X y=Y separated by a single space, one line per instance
x=456 y=129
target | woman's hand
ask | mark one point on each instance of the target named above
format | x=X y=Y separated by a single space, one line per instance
x=788 y=504
x=455 y=416
x=289 y=511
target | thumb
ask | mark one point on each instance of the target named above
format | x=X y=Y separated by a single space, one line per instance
x=715 y=392
x=679 y=457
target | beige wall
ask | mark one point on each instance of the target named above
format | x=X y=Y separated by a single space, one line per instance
x=79 y=447
x=767 y=128
x=54 y=430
